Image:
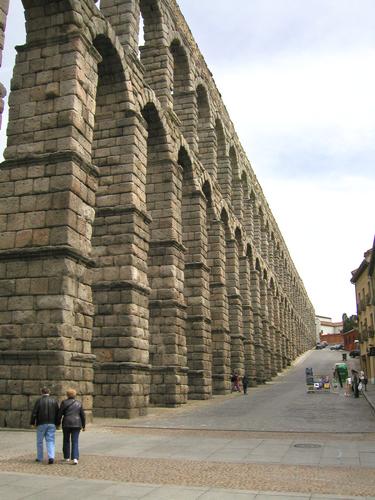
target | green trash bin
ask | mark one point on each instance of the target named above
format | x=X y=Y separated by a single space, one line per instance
x=342 y=369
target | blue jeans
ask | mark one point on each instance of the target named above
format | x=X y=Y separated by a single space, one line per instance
x=71 y=436
x=47 y=432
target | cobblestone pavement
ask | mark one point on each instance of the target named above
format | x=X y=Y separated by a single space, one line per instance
x=325 y=464
x=132 y=459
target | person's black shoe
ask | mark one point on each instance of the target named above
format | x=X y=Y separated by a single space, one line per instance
x=37 y=460
x=50 y=460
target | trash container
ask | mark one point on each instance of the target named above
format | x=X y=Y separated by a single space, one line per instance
x=342 y=369
x=344 y=356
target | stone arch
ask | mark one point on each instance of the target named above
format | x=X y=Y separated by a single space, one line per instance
x=111 y=97
x=180 y=78
x=127 y=18
x=152 y=26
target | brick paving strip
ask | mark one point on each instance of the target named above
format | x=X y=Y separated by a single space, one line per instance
x=265 y=477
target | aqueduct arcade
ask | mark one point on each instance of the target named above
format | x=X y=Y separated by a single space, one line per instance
x=139 y=260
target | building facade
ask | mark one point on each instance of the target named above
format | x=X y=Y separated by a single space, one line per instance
x=351 y=341
x=363 y=280
x=139 y=260
x=328 y=330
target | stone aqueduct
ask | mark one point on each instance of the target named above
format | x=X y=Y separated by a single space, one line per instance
x=139 y=260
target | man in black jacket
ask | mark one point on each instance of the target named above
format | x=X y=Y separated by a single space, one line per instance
x=45 y=417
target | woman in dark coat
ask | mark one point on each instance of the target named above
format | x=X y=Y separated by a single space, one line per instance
x=73 y=420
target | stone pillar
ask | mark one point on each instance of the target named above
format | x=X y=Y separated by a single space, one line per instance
x=221 y=369
x=120 y=285
x=272 y=331
x=248 y=218
x=224 y=176
x=207 y=148
x=257 y=230
x=283 y=335
x=265 y=328
x=247 y=320
x=264 y=241
x=258 y=327
x=123 y=16
x=159 y=81
x=48 y=204
x=289 y=335
x=237 y=197
x=271 y=254
x=235 y=306
x=197 y=296
x=186 y=109
x=165 y=271
x=278 y=335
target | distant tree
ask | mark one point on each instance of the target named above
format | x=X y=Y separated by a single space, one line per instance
x=349 y=323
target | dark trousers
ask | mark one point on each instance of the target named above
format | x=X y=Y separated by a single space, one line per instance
x=70 y=442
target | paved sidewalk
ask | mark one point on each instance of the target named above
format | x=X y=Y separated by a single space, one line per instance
x=167 y=463
x=15 y=486
x=369 y=395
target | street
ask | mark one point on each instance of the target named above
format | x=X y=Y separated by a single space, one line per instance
x=277 y=442
x=282 y=405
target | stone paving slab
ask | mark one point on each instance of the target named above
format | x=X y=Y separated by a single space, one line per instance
x=16 y=486
x=209 y=446
x=204 y=474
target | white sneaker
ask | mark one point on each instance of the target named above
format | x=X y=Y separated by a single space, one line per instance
x=75 y=461
x=67 y=460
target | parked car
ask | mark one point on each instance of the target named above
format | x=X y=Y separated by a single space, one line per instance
x=319 y=346
x=354 y=354
x=336 y=347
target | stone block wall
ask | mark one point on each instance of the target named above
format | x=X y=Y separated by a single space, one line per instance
x=139 y=260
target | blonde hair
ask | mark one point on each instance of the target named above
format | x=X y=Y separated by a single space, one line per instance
x=71 y=393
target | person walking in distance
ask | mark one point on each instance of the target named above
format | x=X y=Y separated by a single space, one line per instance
x=73 y=420
x=245 y=383
x=355 y=383
x=45 y=417
x=363 y=379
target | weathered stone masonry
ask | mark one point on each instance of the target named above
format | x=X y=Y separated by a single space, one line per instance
x=139 y=260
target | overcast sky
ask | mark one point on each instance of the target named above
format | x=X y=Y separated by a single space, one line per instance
x=298 y=80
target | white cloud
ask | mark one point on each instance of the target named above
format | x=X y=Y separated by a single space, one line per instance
x=327 y=227
x=323 y=103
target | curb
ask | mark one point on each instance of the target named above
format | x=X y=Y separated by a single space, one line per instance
x=370 y=402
